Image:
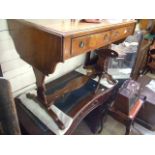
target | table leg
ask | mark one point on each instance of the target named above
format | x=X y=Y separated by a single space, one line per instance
x=40 y=82
x=101 y=68
x=87 y=61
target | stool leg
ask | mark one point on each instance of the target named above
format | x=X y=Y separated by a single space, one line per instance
x=127 y=132
x=128 y=127
x=102 y=120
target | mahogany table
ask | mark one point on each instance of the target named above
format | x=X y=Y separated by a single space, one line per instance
x=45 y=43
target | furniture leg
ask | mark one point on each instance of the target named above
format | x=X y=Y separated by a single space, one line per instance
x=127 y=132
x=40 y=78
x=40 y=82
x=98 y=83
x=109 y=78
x=128 y=127
x=87 y=61
x=101 y=65
x=56 y=119
x=102 y=120
x=103 y=55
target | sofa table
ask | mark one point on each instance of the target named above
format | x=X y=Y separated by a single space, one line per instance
x=44 y=43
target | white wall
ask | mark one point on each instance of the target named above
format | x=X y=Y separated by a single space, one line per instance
x=18 y=72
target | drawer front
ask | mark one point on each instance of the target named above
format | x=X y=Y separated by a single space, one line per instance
x=121 y=33
x=90 y=42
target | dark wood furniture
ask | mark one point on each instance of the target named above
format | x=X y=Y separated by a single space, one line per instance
x=127 y=104
x=146 y=115
x=77 y=104
x=150 y=62
x=45 y=43
x=1 y=71
x=141 y=58
x=129 y=119
x=8 y=117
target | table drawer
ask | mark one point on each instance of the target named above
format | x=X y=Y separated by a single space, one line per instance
x=121 y=33
x=89 y=42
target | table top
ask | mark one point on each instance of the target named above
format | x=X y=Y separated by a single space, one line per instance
x=45 y=42
x=67 y=27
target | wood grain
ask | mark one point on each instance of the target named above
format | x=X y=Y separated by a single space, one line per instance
x=39 y=48
x=44 y=44
x=71 y=86
x=89 y=42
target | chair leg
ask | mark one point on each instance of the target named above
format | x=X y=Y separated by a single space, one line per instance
x=101 y=126
x=128 y=127
x=102 y=121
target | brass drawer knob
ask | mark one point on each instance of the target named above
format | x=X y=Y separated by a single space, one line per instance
x=116 y=33
x=81 y=45
x=106 y=37
x=125 y=31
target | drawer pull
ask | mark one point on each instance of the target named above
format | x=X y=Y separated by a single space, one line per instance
x=116 y=33
x=81 y=45
x=106 y=37
x=125 y=31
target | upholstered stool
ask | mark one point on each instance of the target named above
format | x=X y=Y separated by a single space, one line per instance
x=127 y=103
x=127 y=120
